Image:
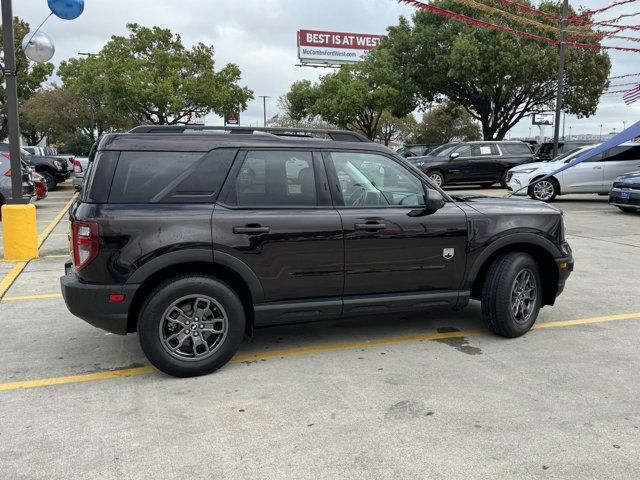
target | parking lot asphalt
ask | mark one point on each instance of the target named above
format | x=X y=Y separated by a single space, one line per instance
x=423 y=396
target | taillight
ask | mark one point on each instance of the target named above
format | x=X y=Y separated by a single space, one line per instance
x=84 y=242
x=8 y=173
x=7 y=156
x=77 y=166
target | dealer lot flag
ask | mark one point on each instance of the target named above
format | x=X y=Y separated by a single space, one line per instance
x=632 y=95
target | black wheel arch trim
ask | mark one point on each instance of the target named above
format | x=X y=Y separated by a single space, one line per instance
x=205 y=256
x=513 y=239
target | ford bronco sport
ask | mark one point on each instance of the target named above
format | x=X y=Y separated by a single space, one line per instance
x=192 y=236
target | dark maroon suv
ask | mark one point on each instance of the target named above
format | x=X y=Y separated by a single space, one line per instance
x=192 y=236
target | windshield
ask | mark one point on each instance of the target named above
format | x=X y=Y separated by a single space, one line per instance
x=442 y=150
x=571 y=153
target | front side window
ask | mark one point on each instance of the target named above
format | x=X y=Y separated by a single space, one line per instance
x=371 y=180
x=275 y=179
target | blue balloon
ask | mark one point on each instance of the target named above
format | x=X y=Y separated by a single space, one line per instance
x=66 y=9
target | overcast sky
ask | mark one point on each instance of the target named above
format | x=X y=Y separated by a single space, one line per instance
x=260 y=36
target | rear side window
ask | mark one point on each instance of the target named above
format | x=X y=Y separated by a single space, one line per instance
x=275 y=179
x=623 y=153
x=170 y=177
x=515 y=149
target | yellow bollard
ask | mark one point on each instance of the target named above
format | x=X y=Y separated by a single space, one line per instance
x=19 y=232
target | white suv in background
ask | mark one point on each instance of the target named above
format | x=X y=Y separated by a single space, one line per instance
x=595 y=175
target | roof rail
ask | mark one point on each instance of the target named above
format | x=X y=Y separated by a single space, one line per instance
x=335 y=135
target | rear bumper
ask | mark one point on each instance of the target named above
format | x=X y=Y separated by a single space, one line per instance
x=90 y=302
x=624 y=197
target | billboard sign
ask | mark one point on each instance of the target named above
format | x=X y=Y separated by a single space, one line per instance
x=232 y=118
x=543 y=118
x=334 y=48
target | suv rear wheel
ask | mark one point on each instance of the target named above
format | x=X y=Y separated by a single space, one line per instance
x=191 y=325
x=511 y=294
x=49 y=181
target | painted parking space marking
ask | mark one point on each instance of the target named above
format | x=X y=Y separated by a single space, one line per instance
x=252 y=357
x=19 y=298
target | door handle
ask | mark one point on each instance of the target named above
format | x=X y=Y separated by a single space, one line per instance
x=597 y=168
x=370 y=227
x=250 y=230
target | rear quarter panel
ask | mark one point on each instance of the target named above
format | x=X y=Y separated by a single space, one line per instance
x=131 y=235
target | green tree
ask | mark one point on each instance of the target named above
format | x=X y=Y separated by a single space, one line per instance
x=67 y=120
x=31 y=75
x=445 y=123
x=354 y=97
x=151 y=77
x=394 y=129
x=498 y=77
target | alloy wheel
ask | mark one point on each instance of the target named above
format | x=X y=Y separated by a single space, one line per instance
x=193 y=328
x=524 y=294
x=436 y=178
x=544 y=190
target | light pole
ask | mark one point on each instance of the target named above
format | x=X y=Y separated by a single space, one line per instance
x=624 y=125
x=570 y=128
x=264 y=109
x=601 y=132
x=19 y=225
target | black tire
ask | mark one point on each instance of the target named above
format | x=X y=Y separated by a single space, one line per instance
x=503 y=179
x=544 y=190
x=436 y=177
x=49 y=181
x=498 y=293
x=627 y=209
x=151 y=323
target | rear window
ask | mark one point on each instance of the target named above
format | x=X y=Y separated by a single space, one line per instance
x=515 y=149
x=157 y=177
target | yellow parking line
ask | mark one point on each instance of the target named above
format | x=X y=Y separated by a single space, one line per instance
x=47 y=231
x=56 y=256
x=131 y=372
x=11 y=276
x=43 y=296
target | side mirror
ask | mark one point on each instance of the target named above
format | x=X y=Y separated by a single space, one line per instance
x=453 y=156
x=433 y=201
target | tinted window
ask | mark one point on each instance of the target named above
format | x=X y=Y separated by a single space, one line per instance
x=443 y=150
x=481 y=150
x=143 y=177
x=275 y=179
x=515 y=149
x=370 y=180
x=623 y=153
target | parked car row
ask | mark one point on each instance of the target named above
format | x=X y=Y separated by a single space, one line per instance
x=477 y=163
x=600 y=174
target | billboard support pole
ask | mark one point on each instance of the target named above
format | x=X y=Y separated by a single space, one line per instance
x=563 y=50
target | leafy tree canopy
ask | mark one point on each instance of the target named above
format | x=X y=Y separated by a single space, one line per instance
x=445 y=123
x=394 y=129
x=497 y=77
x=354 y=97
x=151 y=77
x=31 y=75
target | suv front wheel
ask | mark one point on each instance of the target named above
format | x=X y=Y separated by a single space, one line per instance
x=191 y=325
x=545 y=190
x=436 y=177
x=511 y=294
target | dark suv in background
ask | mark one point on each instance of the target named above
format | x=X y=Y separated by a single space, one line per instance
x=193 y=236
x=544 y=153
x=473 y=163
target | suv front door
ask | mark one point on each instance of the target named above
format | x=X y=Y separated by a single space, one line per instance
x=275 y=216
x=584 y=177
x=390 y=244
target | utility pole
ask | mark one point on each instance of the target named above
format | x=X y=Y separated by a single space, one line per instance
x=563 y=51
x=264 y=108
x=601 y=131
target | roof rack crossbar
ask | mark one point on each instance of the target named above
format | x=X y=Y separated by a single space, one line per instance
x=335 y=135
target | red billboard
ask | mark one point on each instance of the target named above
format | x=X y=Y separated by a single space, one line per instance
x=319 y=46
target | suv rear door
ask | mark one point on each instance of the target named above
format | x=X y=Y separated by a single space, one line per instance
x=391 y=245
x=483 y=163
x=275 y=216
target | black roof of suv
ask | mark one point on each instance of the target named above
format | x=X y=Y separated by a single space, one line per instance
x=193 y=236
